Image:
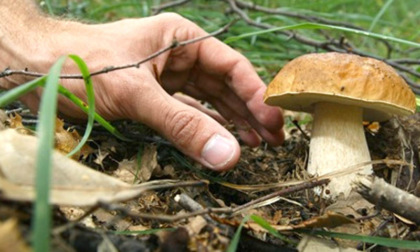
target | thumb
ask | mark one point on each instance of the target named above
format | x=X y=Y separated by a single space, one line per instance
x=191 y=131
x=199 y=136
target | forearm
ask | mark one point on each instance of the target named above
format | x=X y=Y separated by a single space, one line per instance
x=18 y=14
x=27 y=37
x=19 y=20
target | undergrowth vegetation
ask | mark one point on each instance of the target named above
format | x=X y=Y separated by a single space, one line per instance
x=269 y=51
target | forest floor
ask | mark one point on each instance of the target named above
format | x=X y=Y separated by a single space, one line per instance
x=157 y=219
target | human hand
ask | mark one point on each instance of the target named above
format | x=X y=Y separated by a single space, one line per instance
x=207 y=70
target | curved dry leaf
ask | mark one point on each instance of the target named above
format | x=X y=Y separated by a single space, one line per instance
x=67 y=140
x=71 y=183
x=315 y=244
x=133 y=171
x=327 y=220
x=148 y=163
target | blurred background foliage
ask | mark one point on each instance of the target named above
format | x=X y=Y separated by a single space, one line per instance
x=269 y=51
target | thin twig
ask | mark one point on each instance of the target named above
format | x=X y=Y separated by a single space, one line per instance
x=292 y=189
x=162 y=217
x=114 y=207
x=191 y=205
x=296 y=123
x=309 y=18
x=288 y=34
x=173 y=45
x=288 y=13
x=196 y=209
x=406 y=61
x=162 y=7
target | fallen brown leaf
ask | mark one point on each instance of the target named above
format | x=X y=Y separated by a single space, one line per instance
x=315 y=244
x=148 y=163
x=67 y=140
x=71 y=183
x=15 y=122
x=328 y=220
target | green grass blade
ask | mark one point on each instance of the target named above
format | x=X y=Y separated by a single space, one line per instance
x=49 y=7
x=235 y=239
x=378 y=17
x=380 y=14
x=315 y=26
x=78 y=102
x=45 y=130
x=264 y=224
x=387 y=242
x=90 y=99
x=21 y=90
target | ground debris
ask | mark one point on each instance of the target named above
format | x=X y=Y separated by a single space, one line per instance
x=259 y=172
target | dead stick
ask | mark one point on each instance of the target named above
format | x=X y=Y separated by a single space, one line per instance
x=389 y=197
x=303 y=186
x=193 y=206
x=289 y=13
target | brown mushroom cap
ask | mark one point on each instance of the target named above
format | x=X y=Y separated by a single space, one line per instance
x=341 y=78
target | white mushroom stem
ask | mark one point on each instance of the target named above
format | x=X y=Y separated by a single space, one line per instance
x=337 y=142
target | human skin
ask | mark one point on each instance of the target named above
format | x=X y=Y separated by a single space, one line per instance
x=207 y=70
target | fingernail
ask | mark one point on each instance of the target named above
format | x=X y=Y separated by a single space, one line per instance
x=218 y=151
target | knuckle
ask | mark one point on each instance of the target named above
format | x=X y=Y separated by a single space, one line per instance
x=183 y=27
x=171 y=17
x=183 y=126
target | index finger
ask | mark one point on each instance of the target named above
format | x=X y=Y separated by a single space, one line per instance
x=238 y=73
x=215 y=58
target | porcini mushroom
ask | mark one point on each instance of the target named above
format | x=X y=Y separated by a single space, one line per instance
x=341 y=90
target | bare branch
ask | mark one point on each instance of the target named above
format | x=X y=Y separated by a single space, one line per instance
x=162 y=7
x=309 y=18
x=289 y=34
x=288 y=13
x=334 y=45
x=407 y=61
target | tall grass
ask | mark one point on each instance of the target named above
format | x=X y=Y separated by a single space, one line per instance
x=268 y=52
x=45 y=131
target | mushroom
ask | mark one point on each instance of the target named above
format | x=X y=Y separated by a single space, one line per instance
x=341 y=90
